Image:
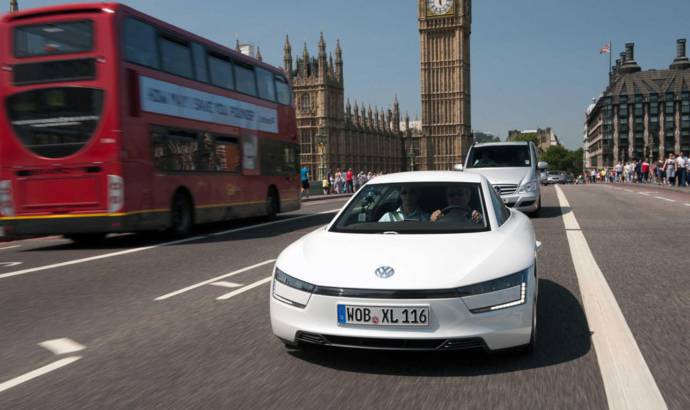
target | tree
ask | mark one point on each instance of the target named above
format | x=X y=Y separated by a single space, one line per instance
x=481 y=137
x=527 y=137
x=562 y=159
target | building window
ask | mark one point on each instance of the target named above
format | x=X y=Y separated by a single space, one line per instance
x=305 y=103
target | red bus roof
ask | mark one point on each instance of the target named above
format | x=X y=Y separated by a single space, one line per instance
x=117 y=7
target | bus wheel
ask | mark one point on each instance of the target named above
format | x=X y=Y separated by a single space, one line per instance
x=86 y=238
x=272 y=203
x=182 y=218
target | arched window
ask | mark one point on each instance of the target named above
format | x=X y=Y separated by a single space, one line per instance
x=305 y=103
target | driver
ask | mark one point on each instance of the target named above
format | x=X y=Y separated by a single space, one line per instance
x=409 y=210
x=458 y=206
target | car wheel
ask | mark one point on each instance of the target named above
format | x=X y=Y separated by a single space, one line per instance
x=182 y=215
x=530 y=347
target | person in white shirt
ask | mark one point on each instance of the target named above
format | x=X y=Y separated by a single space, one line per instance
x=681 y=169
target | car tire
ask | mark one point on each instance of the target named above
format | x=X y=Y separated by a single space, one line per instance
x=531 y=347
x=181 y=215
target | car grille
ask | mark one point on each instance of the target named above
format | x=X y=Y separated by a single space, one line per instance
x=506 y=189
x=391 y=344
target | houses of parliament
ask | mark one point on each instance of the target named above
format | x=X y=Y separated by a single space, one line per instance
x=335 y=134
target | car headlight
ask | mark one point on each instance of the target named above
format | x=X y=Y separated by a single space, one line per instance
x=290 y=290
x=507 y=291
x=530 y=186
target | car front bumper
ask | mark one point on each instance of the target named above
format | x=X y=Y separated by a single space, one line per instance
x=452 y=326
x=525 y=202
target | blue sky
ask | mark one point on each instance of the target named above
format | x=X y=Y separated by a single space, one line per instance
x=535 y=63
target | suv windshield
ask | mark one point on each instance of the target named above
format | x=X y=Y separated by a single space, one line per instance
x=55 y=122
x=499 y=156
x=51 y=39
x=415 y=208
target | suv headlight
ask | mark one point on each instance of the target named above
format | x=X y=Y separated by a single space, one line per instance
x=530 y=186
x=507 y=291
x=290 y=290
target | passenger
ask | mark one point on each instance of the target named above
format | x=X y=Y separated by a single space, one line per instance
x=409 y=210
x=458 y=199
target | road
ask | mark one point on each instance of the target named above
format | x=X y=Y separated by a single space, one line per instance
x=138 y=322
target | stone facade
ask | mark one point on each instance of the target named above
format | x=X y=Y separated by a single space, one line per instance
x=332 y=135
x=641 y=114
x=444 y=29
x=545 y=137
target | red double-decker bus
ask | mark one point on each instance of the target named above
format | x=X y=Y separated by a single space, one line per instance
x=115 y=121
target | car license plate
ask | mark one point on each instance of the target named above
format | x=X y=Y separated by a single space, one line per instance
x=383 y=315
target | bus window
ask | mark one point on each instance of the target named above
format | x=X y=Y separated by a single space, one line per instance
x=283 y=91
x=266 y=87
x=229 y=155
x=174 y=150
x=176 y=57
x=246 y=82
x=200 y=71
x=51 y=39
x=221 y=72
x=140 y=43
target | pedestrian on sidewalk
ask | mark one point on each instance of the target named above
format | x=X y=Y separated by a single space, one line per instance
x=349 y=178
x=645 y=171
x=670 y=168
x=681 y=167
x=326 y=185
x=619 y=172
x=304 y=178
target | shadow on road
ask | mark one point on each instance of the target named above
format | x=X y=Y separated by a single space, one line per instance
x=563 y=336
x=152 y=238
x=552 y=212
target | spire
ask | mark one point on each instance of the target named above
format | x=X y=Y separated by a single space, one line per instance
x=287 y=57
x=348 y=112
x=331 y=68
x=356 y=114
x=322 y=46
x=237 y=44
x=377 y=119
x=396 y=114
x=258 y=54
x=338 y=62
x=322 y=60
x=370 y=118
x=14 y=6
x=304 y=72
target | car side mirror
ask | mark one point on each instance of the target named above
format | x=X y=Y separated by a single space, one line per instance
x=458 y=167
x=542 y=165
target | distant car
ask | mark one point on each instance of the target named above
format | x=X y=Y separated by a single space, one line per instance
x=569 y=179
x=456 y=271
x=555 y=177
x=513 y=169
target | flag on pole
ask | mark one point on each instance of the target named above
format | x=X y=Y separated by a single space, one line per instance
x=606 y=49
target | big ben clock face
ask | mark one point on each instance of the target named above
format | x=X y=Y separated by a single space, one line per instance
x=439 y=7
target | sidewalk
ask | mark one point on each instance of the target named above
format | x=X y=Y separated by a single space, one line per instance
x=653 y=186
x=323 y=197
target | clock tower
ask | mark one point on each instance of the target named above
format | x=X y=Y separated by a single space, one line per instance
x=444 y=32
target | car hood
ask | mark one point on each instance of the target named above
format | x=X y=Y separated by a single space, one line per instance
x=512 y=175
x=439 y=261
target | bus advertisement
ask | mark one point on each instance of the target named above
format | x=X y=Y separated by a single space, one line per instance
x=115 y=121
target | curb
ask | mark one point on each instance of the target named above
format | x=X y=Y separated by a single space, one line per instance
x=325 y=197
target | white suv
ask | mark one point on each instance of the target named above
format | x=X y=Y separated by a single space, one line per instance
x=512 y=169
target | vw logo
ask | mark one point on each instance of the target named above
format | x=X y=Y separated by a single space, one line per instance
x=384 y=272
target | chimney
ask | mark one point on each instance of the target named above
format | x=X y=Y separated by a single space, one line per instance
x=681 y=62
x=14 y=6
x=629 y=65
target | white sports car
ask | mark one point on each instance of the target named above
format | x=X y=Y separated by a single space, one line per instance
x=417 y=260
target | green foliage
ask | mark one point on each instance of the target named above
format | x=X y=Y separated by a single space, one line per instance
x=527 y=137
x=562 y=159
x=481 y=137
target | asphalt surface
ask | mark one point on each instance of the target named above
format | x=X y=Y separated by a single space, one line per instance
x=191 y=350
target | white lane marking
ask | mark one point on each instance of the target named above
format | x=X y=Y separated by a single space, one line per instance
x=244 y=289
x=330 y=201
x=145 y=248
x=9 y=264
x=686 y=204
x=97 y=257
x=62 y=346
x=627 y=380
x=272 y=223
x=38 y=372
x=644 y=193
x=227 y=284
x=665 y=199
x=10 y=247
x=628 y=190
x=216 y=279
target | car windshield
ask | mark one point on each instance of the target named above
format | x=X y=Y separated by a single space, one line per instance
x=415 y=208
x=499 y=156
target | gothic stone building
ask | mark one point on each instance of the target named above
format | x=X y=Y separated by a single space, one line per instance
x=444 y=29
x=332 y=135
x=641 y=114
